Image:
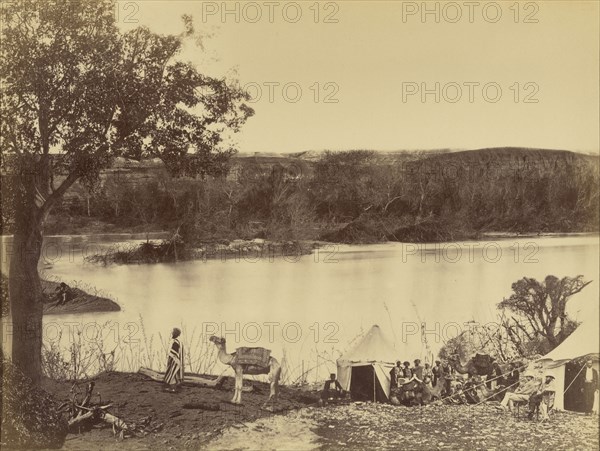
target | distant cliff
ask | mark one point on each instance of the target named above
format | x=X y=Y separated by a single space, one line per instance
x=352 y=196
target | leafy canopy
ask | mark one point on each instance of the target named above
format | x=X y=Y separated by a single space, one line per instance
x=541 y=306
x=78 y=92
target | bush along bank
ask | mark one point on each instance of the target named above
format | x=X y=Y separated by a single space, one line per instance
x=174 y=250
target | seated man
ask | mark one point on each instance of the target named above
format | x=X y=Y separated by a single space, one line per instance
x=525 y=389
x=457 y=393
x=62 y=294
x=543 y=398
x=427 y=375
x=512 y=377
x=471 y=389
x=447 y=377
x=330 y=392
x=394 y=374
x=407 y=371
x=436 y=371
x=417 y=370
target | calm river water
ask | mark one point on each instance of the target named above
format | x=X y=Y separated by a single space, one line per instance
x=309 y=308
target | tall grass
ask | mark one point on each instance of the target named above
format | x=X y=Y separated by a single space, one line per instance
x=78 y=357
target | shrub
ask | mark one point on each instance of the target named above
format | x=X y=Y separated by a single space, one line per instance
x=30 y=418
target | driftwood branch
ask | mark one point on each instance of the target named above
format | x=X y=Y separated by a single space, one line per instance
x=88 y=414
x=80 y=418
x=192 y=379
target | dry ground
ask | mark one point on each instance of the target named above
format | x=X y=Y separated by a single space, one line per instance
x=380 y=426
x=299 y=424
x=187 y=422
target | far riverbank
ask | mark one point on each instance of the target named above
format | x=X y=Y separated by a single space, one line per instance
x=77 y=300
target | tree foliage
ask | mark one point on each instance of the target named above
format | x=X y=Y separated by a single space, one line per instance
x=78 y=92
x=539 y=308
x=342 y=183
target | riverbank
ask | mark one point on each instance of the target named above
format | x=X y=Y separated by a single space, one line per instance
x=369 y=229
x=363 y=230
x=173 y=250
x=78 y=300
x=185 y=420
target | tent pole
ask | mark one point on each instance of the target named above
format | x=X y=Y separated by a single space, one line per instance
x=579 y=372
x=374 y=386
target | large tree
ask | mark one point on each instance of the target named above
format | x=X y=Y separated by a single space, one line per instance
x=78 y=92
x=539 y=308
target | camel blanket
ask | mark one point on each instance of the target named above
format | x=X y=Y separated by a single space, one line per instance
x=253 y=356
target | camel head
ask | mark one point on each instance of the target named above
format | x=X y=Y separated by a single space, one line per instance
x=453 y=358
x=219 y=341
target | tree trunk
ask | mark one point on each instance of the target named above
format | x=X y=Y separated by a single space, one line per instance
x=25 y=293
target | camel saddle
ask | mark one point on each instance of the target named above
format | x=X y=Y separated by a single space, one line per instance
x=483 y=362
x=253 y=357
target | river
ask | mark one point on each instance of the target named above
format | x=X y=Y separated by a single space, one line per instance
x=307 y=308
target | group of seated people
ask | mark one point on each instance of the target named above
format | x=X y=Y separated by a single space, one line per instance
x=538 y=394
x=440 y=373
x=402 y=373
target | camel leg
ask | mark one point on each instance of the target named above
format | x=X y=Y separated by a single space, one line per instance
x=239 y=381
x=274 y=376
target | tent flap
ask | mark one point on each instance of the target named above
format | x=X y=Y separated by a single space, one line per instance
x=373 y=350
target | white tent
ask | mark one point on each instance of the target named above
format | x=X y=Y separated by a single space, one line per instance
x=581 y=345
x=583 y=342
x=365 y=369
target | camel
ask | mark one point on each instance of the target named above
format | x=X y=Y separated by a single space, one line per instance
x=486 y=366
x=414 y=392
x=273 y=370
x=481 y=365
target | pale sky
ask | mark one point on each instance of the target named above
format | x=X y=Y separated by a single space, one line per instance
x=375 y=57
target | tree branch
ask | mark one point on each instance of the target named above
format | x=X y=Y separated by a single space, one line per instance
x=388 y=204
x=58 y=193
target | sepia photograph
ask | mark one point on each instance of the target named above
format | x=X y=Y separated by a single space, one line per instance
x=300 y=225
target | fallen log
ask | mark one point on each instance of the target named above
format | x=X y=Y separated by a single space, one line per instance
x=80 y=418
x=85 y=414
x=88 y=394
x=188 y=378
x=192 y=379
